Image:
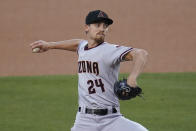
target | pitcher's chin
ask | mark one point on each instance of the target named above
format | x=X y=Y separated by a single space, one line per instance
x=99 y=40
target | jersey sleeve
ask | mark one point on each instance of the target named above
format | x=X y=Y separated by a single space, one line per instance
x=81 y=46
x=119 y=52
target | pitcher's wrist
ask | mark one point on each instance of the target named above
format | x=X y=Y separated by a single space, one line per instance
x=51 y=45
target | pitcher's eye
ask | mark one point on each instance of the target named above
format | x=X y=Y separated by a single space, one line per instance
x=106 y=26
x=97 y=24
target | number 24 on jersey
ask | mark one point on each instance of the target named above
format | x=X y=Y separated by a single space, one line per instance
x=93 y=84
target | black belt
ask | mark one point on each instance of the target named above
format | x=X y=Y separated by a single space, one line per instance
x=100 y=112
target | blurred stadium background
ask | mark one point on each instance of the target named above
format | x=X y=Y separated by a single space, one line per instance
x=165 y=28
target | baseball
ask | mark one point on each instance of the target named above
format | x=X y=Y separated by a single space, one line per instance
x=36 y=50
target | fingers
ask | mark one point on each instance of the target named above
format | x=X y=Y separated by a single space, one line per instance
x=37 y=44
x=34 y=43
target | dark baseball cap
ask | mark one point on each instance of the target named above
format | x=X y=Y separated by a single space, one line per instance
x=98 y=16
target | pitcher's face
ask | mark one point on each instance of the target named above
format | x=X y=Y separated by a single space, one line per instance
x=97 y=31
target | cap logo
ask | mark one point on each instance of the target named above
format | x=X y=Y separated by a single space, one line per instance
x=101 y=14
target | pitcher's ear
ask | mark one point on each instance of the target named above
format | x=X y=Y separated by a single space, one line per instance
x=86 y=28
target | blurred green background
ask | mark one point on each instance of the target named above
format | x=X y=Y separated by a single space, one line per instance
x=49 y=103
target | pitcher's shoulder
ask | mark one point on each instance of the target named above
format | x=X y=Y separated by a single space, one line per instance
x=111 y=45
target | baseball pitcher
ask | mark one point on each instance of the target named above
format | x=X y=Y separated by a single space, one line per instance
x=99 y=89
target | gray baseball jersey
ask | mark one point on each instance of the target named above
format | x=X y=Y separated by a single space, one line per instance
x=98 y=69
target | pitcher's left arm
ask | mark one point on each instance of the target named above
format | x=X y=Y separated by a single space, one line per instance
x=139 y=58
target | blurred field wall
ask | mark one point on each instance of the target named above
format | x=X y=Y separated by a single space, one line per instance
x=165 y=28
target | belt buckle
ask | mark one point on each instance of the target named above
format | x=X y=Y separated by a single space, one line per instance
x=93 y=111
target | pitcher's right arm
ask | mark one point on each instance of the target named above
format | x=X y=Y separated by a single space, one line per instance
x=70 y=45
